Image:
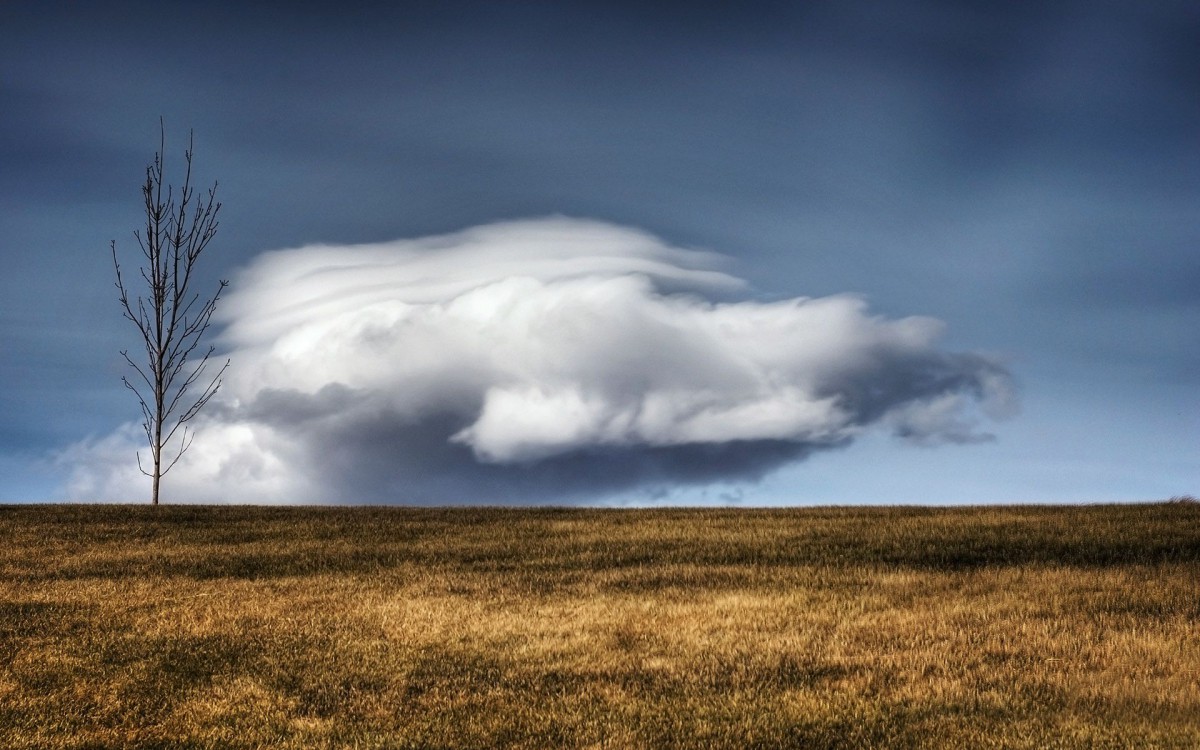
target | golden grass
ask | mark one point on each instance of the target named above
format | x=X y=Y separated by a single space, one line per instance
x=174 y=627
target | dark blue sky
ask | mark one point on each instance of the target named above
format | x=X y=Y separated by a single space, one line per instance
x=1026 y=173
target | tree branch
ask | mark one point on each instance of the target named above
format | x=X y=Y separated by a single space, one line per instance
x=171 y=319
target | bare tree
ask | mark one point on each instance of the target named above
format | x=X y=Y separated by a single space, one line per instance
x=170 y=384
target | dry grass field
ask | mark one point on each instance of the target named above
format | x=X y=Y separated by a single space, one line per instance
x=203 y=627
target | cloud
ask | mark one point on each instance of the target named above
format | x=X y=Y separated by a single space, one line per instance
x=550 y=360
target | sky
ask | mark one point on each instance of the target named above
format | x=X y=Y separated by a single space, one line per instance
x=566 y=253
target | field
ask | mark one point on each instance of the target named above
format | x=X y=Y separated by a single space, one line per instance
x=203 y=627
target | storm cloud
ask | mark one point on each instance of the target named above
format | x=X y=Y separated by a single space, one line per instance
x=550 y=360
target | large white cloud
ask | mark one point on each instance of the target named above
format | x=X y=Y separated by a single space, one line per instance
x=537 y=361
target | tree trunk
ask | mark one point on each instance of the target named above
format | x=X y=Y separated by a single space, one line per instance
x=156 y=449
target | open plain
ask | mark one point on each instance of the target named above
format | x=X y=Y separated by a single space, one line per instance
x=250 y=627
